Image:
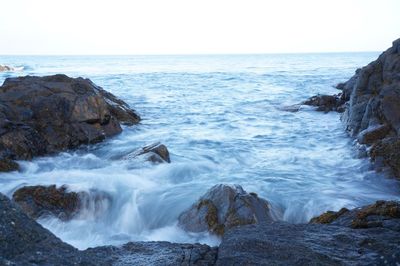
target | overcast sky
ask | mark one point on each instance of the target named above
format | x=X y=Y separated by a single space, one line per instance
x=192 y=27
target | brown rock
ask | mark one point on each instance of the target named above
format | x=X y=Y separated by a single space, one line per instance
x=42 y=115
x=224 y=207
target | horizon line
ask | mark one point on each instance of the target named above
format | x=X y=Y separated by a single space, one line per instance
x=198 y=54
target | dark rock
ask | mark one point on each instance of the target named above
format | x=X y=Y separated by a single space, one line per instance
x=387 y=151
x=38 y=201
x=308 y=244
x=6 y=68
x=224 y=207
x=156 y=253
x=156 y=153
x=373 y=134
x=42 y=115
x=7 y=165
x=25 y=242
x=369 y=216
x=325 y=103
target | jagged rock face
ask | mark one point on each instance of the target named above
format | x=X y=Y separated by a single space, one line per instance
x=380 y=214
x=39 y=201
x=372 y=111
x=224 y=207
x=374 y=93
x=41 y=115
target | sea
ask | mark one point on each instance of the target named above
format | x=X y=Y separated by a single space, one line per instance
x=223 y=120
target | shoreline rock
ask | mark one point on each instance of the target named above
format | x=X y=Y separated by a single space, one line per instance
x=155 y=153
x=40 y=201
x=224 y=207
x=45 y=115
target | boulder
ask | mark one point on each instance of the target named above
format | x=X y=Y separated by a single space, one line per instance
x=224 y=207
x=156 y=153
x=380 y=214
x=44 y=115
x=39 y=201
x=5 y=68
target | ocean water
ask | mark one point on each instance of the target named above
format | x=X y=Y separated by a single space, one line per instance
x=221 y=118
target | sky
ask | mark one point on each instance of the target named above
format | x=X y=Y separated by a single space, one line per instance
x=83 y=27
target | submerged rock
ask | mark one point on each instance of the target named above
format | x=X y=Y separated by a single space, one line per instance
x=380 y=214
x=156 y=153
x=224 y=207
x=39 y=201
x=42 y=115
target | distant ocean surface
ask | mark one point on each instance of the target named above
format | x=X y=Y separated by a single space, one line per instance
x=220 y=117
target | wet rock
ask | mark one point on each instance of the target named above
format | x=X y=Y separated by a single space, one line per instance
x=42 y=115
x=325 y=103
x=24 y=242
x=380 y=214
x=156 y=253
x=328 y=217
x=281 y=243
x=291 y=108
x=7 y=165
x=5 y=68
x=387 y=151
x=373 y=134
x=39 y=201
x=224 y=207
x=156 y=153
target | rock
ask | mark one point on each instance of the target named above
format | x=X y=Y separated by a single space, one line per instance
x=7 y=165
x=374 y=215
x=388 y=151
x=328 y=217
x=44 y=115
x=224 y=207
x=325 y=103
x=156 y=153
x=156 y=253
x=39 y=201
x=373 y=134
x=291 y=108
x=282 y=243
x=24 y=242
x=6 y=68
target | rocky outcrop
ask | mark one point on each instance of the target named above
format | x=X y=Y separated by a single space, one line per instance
x=39 y=201
x=42 y=115
x=309 y=244
x=5 y=68
x=25 y=242
x=326 y=103
x=372 y=110
x=156 y=153
x=379 y=214
x=224 y=207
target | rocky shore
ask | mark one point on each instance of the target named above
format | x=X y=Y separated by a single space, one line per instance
x=45 y=115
